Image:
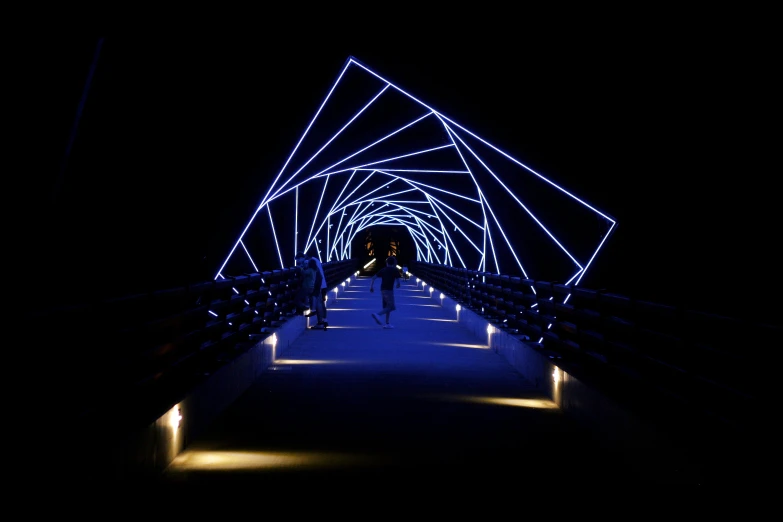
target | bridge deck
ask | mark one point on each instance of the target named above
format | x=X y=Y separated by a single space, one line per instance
x=426 y=401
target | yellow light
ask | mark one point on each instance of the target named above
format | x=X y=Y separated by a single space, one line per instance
x=206 y=461
x=273 y=338
x=460 y=345
x=556 y=375
x=545 y=404
x=534 y=403
x=175 y=417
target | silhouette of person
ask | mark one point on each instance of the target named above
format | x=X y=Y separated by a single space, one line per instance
x=389 y=276
x=316 y=300
x=323 y=290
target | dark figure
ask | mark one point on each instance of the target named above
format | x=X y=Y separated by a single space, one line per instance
x=389 y=276
x=307 y=277
x=316 y=302
x=323 y=290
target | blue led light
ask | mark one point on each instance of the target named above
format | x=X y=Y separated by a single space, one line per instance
x=457 y=198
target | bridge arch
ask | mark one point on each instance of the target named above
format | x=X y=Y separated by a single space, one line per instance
x=376 y=156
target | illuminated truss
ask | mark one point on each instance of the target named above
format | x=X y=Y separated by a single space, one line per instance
x=374 y=155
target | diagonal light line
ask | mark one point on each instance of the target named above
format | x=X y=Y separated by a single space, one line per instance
x=483 y=261
x=378 y=206
x=296 y=222
x=520 y=202
x=376 y=189
x=434 y=235
x=274 y=234
x=411 y=211
x=561 y=189
x=489 y=235
x=448 y=236
x=365 y=180
x=337 y=199
x=315 y=217
x=417 y=120
x=339 y=230
x=305 y=133
x=333 y=137
x=249 y=256
x=423 y=171
x=568 y=282
x=436 y=203
x=442 y=229
x=418 y=183
x=404 y=156
x=466 y=218
x=606 y=236
x=263 y=201
x=353 y=61
x=508 y=243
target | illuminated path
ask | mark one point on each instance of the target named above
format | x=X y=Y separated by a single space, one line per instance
x=426 y=401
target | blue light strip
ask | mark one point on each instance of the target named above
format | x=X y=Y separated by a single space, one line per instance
x=263 y=201
x=274 y=234
x=378 y=200
x=249 y=256
x=334 y=137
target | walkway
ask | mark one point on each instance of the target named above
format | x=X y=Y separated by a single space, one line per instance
x=423 y=402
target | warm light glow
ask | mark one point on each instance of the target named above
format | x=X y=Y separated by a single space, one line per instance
x=462 y=345
x=260 y=460
x=490 y=329
x=273 y=339
x=175 y=417
x=519 y=403
x=556 y=375
x=534 y=403
x=286 y=362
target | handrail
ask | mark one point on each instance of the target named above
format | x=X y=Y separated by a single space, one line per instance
x=141 y=348
x=691 y=359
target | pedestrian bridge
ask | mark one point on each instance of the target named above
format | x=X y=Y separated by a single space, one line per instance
x=500 y=365
x=224 y=383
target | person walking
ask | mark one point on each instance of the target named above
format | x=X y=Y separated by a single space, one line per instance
x=307 y=277
x=390 y=277
x=315 y=296
x=323 y=290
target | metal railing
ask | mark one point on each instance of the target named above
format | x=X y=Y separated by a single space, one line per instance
x=661 y=358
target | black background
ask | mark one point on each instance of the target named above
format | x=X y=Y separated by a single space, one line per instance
x=664 y=127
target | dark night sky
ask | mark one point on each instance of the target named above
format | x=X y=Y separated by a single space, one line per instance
x=179 y=139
